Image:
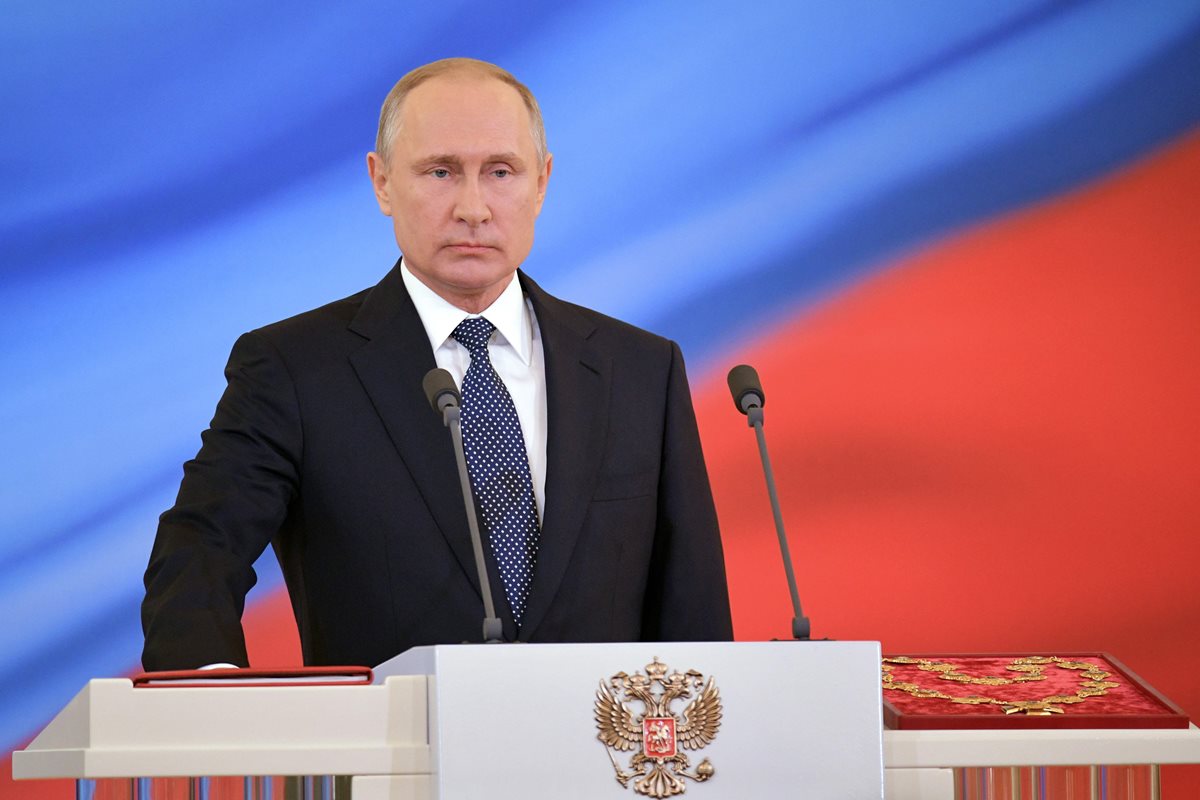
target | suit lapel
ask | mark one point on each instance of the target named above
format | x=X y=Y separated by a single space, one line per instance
x=390 y=366
x=577 y=387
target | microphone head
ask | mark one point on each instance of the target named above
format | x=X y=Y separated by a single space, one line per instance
x=746 y=388
x=440 y=389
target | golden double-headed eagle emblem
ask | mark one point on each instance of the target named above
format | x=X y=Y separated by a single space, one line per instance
x=657 y=734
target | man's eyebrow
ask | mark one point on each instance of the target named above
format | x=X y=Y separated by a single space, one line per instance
x=434 y=160
x=508 y=157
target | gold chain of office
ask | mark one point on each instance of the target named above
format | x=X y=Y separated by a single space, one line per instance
x=1093 y=683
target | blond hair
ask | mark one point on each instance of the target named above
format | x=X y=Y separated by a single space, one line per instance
x=389 y=114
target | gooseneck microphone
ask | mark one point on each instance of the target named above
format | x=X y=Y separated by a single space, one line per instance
x=749 y=399
x=444 y=398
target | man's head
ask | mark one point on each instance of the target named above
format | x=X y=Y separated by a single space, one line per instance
x=461 y=168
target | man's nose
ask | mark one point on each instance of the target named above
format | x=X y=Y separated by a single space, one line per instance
x=470 y=204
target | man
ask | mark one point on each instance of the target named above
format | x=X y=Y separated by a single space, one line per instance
x=582 y=444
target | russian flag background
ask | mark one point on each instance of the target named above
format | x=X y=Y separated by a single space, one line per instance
x=959 y=241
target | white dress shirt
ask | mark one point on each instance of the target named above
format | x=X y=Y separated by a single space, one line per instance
x=516 y=353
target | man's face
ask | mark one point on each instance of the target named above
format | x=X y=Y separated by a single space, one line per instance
x=463 y=185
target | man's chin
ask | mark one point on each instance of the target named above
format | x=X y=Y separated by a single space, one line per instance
x=467 y=277
x=484 y=264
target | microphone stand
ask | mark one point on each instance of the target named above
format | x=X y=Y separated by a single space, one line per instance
x=754 y=418
x=493 y=632
x=749 y=399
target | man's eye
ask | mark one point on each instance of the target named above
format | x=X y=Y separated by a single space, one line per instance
x=501 y=173
x=440 y=173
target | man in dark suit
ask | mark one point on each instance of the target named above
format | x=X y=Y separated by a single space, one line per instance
x=325 y=445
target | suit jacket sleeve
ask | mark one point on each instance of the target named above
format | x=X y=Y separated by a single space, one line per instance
x=234 y=497
x=687 y=598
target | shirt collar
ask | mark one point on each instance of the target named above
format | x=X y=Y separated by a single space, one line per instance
x=509 y=313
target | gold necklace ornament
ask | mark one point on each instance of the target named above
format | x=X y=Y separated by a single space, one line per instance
x=1093 y=683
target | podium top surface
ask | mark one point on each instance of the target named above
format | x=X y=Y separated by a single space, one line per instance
x=435 y=659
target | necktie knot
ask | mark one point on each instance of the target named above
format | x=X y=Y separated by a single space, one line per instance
x=473 y=333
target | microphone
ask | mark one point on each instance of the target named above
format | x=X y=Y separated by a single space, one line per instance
x=440 y=390
x=749 y=399
x=445 y=400
x=746 y=388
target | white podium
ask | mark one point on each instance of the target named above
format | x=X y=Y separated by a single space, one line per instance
x=506 y=721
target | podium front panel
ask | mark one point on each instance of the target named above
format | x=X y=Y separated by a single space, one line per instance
x=514 y=721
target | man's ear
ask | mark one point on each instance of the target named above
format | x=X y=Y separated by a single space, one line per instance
x=543 y=180
x=378 y=173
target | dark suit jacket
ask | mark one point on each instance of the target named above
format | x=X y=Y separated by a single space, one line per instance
x=324 y=444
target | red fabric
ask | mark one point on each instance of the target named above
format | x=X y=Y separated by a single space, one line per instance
x=1129 y=699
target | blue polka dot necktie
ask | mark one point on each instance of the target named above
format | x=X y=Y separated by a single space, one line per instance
x=498 y=465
